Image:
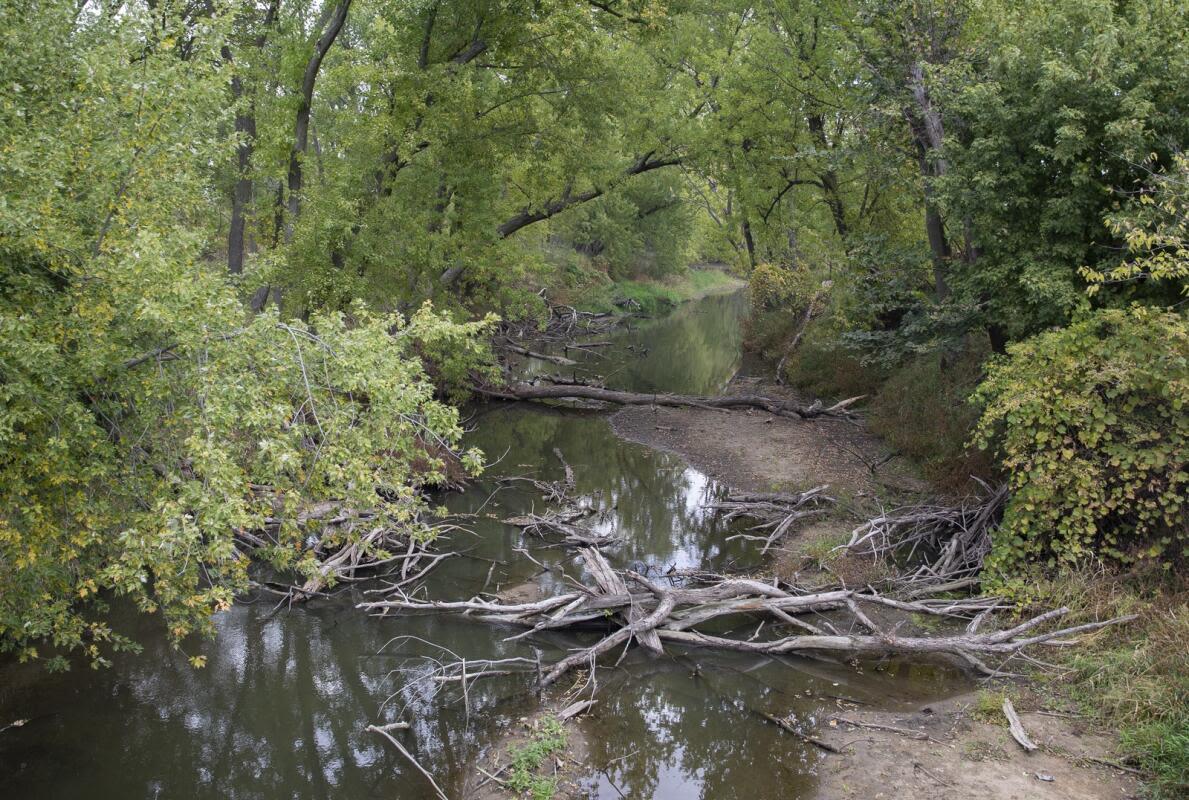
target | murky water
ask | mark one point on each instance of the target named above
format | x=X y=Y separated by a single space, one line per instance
x=281 y=708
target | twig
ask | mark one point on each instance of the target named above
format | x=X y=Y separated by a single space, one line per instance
x=1016 y=727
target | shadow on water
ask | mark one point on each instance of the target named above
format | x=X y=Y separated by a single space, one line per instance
x=281 y=707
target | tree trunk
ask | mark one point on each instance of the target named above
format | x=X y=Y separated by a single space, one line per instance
x=750 y=242
x=782 y=408
x=928 y=133
x=245 y=127
x=301 y=127
x=829 y=178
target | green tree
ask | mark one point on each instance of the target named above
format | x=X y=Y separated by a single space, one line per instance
x=155 y=437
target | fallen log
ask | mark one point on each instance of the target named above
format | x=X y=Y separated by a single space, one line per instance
x=672 y=614
x=781 y=408
x=524 y=351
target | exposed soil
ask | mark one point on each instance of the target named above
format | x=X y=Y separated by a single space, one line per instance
x=567 y=768
x=967 y=758
x=758 y=451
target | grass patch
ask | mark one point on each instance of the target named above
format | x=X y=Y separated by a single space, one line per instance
x=527 y=760
x=988 y=707
x=1132 y=678
x=655 y=296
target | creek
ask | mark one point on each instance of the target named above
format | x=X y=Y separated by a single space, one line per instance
x=281 y=708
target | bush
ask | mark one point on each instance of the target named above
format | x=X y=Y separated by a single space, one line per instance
x=923 y=411
x=1092 y=429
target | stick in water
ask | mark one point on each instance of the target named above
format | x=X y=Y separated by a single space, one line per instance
x=413 y=761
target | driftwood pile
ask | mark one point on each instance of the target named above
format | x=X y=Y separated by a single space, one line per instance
x=628 y=607
x=944 y=546
x=566 y=326
x=564 y=521
x=775 y=513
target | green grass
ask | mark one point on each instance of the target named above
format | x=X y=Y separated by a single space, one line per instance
x=527 y=759
x=1134 y=678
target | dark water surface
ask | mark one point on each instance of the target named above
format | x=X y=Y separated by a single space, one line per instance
x=281 y=707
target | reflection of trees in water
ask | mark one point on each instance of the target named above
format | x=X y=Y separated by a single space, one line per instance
x=650 y=498
x=672 y=734
x=694 y=350
x=279 y=711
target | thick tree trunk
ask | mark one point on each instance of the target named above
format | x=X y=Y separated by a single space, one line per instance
x=829 y=179
x=929 y=135
x=245 y=127
x=749 y=240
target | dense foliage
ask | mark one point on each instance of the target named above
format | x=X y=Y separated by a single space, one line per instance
x=1095 y=440
x=145 y=418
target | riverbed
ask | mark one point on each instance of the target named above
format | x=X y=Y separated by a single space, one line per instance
x=282 y=706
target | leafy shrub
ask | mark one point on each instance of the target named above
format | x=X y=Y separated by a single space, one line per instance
x=923 y=411
x=1093 y=431
x=774 y=287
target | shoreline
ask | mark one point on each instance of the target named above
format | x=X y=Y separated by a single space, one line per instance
x=945 y=749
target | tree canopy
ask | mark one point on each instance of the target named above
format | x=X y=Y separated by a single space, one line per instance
x=249 y=248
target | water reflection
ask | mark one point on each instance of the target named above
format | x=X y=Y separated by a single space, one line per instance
x=694 y=350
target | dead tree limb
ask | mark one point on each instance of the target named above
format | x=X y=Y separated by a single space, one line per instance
x=524 y=351
x=782 y=408
x=774 y=513
x=573 y=535
x=401 y=749
x=946 y=545
x=674 y=614
x=1016 y=727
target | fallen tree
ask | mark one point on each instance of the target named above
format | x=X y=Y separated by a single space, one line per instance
x=349 y=545
x=655 y=614
x=781 y=408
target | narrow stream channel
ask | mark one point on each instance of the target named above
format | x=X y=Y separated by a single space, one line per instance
x=281 y=707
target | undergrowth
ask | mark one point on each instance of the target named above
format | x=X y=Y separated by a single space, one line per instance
x=921 y=409
x=654 y=296
x=1133 y=678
